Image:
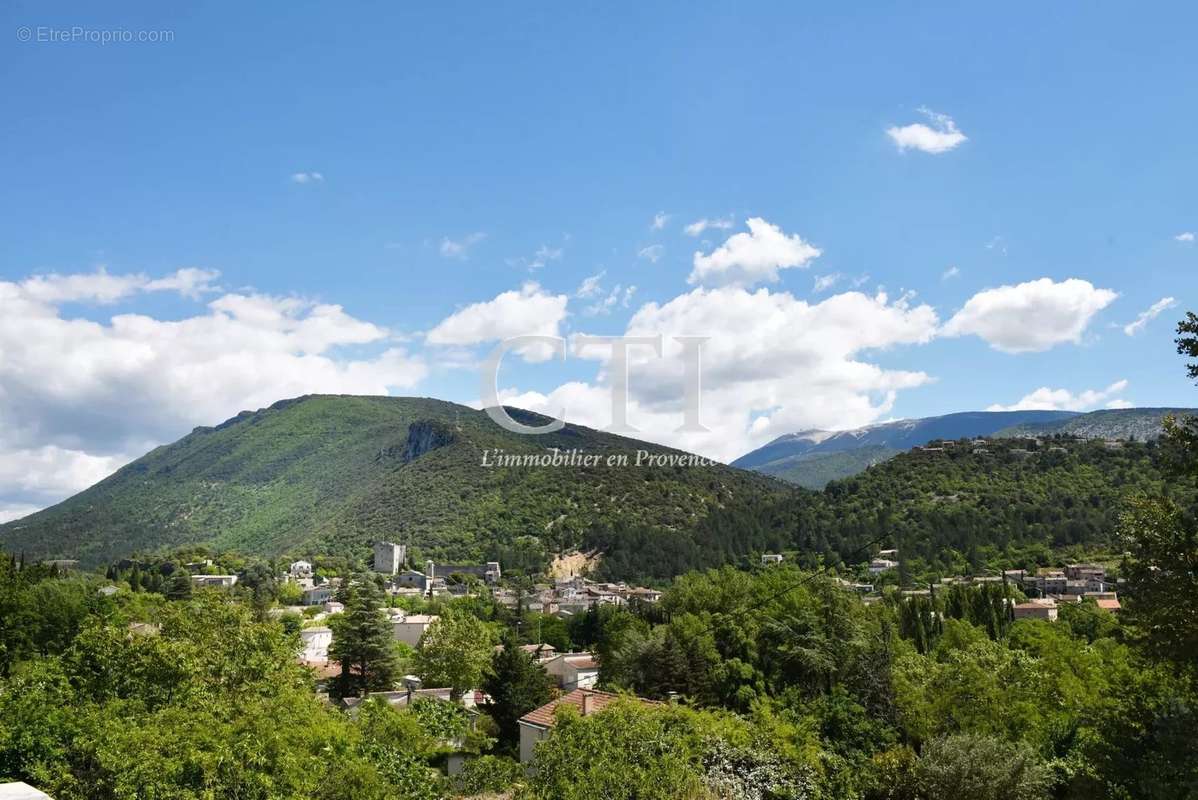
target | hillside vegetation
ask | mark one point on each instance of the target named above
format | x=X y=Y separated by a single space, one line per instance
x=333 y=473
x=961 y=509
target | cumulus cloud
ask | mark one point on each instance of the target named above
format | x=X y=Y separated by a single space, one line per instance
x=1149 y=314
x=698 y=226
x=751 y=257
x=101 y=287
x=307 y=177
x=1048 y=399
x=82 y=396
x=1032 y=316
x=774 y=364
x=939 y=137
x=529 y=311
x=660 y=220
x=1187 y=236
x=460 y=248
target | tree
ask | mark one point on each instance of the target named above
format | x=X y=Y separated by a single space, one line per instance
x=982 y=768
x=179 y=586
x=362 y=642
x=455 y=651
x=517 y=684
x=1162 y=543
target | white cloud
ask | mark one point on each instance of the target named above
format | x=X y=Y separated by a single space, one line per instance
x=652 y=253
x=460 y=248
x=1032 y=316
x=1048 y=399
x=82 y=396
x=1185 y=237
x=529 y=311
x=698 y=226
x=950 y=273
x=660 y=220
x=11 y=511
x=543 y=255
x=619 y=296
x=1149 y=314
x=307 y=177
x=940 y=137
x=590 y=285
x=825 y=282
x=749 y=258
x=104 y=288
x=774 y=364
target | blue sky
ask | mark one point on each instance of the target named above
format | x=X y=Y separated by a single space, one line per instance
x=442 y=146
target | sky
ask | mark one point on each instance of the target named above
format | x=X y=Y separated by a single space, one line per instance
x=872 y=214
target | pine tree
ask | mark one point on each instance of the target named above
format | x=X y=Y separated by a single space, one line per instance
x=362 y=642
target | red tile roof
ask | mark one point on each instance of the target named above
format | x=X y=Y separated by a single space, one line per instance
x=1110 y=604
x=543 y=717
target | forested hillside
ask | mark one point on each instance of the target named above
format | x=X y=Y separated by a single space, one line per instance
x=962 y=507
x=331 y=474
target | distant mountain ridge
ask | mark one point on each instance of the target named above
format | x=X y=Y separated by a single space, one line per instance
x=811 y=458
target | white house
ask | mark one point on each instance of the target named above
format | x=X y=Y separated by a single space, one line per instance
x=770 y=558
x=316 y=644
x=574 y=670
x=301 y=569
x=219 y=581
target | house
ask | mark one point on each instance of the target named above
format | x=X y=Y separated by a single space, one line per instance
x=538 y=723
x=107 y=591
x=573 y=670
x=644 y=595
x=300 y=569
x=21 y=791
x=333 y=607
x=216 y=581
x=539 y=652
x=316 y=644
x=408 y=628
x=880 y=565
x=1045 y=609
x=770 y=558
x=317 y=595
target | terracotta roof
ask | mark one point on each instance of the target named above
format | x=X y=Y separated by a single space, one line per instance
x=1110 y=604
x=543 y=717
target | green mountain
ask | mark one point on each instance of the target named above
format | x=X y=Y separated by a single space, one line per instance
x=815 y=470
x=334 y=473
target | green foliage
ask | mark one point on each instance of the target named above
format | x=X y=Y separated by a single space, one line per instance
x=982 y=768
x=489 y=774
x=363 y=642
x=516 y=685
x=455 y=651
